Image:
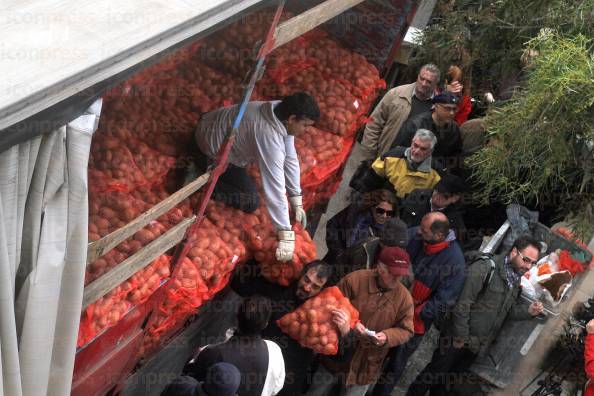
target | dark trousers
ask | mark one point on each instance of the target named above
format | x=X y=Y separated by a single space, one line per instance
x=448 y=369
x=234 y=187
x=394 y=366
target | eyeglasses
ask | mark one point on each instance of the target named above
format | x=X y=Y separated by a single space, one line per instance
x=527 y=260
x=451 y=109
x=382 y=211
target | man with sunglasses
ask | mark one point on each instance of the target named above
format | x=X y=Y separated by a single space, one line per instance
x=361 y=220
x=488 y=298
x=441 y=122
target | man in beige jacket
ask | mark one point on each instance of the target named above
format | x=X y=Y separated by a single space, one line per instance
x=396 y=106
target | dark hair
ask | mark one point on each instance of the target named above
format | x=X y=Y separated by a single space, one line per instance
x=299 y=104
x=440 y=226
x=253 y=315
x=526 y=240
x=375 y=197
x=323 y=269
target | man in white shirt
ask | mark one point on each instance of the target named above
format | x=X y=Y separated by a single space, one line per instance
x=259 y=361
x=266 y=136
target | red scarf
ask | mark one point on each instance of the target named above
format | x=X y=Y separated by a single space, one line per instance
x=433 y=248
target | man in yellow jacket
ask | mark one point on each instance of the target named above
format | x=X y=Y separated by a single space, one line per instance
x=409 y=168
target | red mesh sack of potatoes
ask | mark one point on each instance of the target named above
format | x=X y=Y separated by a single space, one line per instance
x=112 y=166
x=111 y=211
x=287 y=60
x=311 y=324
x=183 y=295
x=228 y=224
x=102 y=314
x=214 y=258
x=320 y=153
x=225 y=56
x=220 y=89
x=336 y=61
x=263 y=241
x=163 y=115
x=340 y=110
x=165 y=67
x=108 y=310
x=153 y=165
x=140 y=286
x=251 y=28
x=119 y=161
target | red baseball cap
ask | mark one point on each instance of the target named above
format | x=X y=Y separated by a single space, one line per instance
x=396 y=259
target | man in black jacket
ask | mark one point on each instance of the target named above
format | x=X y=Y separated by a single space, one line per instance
x=445 y=197
x=259 y=361
x=440 y=121
x=314 y=277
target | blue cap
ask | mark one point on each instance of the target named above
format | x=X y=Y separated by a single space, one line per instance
x=222 y=379
x=446 y=97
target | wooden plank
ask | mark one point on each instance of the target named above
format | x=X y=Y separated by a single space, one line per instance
x=310 y=19
x=136 y=262
x=102 y=246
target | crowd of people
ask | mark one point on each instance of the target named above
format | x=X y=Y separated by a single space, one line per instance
x=400 y=252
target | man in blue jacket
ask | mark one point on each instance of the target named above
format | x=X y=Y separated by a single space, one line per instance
x=439 y=271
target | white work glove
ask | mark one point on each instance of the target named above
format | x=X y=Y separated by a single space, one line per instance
x=286 y=245
x=297 y=205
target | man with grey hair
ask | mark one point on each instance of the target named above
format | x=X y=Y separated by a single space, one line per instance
x=409 y=168
x=397 y=105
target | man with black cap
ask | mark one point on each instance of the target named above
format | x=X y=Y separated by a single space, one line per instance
x=445 y=197
x=441 y=122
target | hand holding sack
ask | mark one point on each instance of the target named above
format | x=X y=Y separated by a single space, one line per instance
x=262 y=242
x=286 y=245
x=312 y=323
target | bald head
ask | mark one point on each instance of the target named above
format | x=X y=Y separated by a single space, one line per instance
x=435 y=227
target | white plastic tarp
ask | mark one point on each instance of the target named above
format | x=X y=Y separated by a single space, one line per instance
x=43 y=242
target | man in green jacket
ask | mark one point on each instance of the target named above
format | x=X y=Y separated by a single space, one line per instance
x=489 y=297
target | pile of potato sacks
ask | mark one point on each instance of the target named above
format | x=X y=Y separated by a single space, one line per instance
x=142 y=146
